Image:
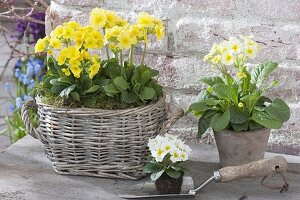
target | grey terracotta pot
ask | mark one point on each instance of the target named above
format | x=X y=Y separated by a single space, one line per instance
x=237 y=148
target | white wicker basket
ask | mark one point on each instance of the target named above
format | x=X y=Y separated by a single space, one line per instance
x=94 y=142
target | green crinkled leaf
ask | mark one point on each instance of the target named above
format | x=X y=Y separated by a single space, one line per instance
x=75 y=96
x=279 y=110
x=146 y=76
x=92 y=89
x=213 y=80
x=199 y=107
x=204 y=122
x=250 y=100
x=263 y=118
x=260 y=73
x=220 y=121
x=121 y=83
x=65 y=93
x=86 y=83
x=225 y=92
x=129 y=97
x=111 y=88
x=173 y=173
x=253 y=126
x=147 y=93
x=151 y=167
x=212 y=102
x=67 y=80
x=240 y=127
x=237 y=115
x=56 y=89
x=155 y=175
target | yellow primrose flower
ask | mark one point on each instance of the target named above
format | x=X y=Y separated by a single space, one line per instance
x=85 y=54
x=78 y=43
x=72 y=52
x=145 y=20
x=78 y=35
x=61 y=58
x=113 y=47
x=113 y=32
x=227 y=58
x=98 y=18
x=241 y=75
x=96 y=34
x=50 y=52
x=68 y=32
x=215 y=48
x=39 y=46
x=55 y=43
x=74 y=63
x=208 y=57
x=125 y=40
x=76 y=71
x=89 y=43
x=66 y=71
x=95 y=58
x=135 y=31
x=57 y=32
x=111 y=18
x=94 y=69
x=216 y=59
x=159 y=31
x=72 y=24
x=240 y=105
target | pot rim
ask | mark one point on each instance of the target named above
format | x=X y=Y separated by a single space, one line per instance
x=243 y=132
x=153 y=104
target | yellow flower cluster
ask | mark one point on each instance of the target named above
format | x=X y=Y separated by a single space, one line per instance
x=119 y=34
x=72 y=41
x=232 y=52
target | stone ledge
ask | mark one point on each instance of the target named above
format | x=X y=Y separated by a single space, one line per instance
x=26 y=174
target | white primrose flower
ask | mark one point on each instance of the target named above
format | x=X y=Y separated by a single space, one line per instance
x=184 y=156
x=159 y=154
x=175 y=156
x=168 y=146
x=227 y=58
x=234 y=45
x=250 y=51
x=267 y=104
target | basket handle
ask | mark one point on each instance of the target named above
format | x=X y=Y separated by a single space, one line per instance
x=177 y=114
x=31 y=130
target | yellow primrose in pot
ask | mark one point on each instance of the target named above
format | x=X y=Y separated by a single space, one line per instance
x=235 y=106
x=95 y=101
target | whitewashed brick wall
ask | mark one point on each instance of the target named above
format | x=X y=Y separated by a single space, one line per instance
x=192 y=27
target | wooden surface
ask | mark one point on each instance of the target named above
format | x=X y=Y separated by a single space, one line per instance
x=26 y=174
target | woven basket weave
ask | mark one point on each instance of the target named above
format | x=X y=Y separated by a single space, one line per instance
x=94 y=142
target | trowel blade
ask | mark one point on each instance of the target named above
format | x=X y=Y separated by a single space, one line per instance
x=125 y=196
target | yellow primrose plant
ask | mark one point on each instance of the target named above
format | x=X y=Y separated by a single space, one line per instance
x=79 y=75
x=235 y=100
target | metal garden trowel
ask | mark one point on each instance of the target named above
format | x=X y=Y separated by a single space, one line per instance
x=261 y=168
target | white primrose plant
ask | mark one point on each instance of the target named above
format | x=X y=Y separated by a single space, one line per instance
x=167 y=153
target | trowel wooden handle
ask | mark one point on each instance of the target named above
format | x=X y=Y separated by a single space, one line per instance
x=259 y=168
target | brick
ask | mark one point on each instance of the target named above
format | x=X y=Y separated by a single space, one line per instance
x=288 y=10
x=196 y=35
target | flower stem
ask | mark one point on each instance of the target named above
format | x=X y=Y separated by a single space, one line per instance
x=106 y=46
x=131 y=56
x=121 y=58
x=144 y=53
